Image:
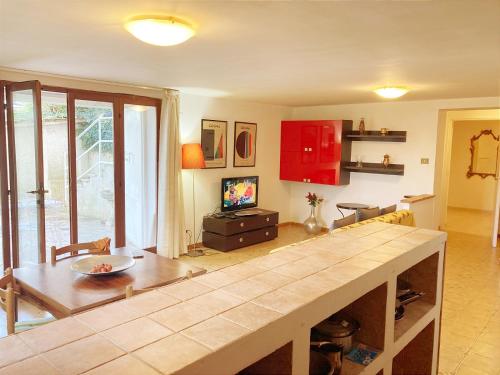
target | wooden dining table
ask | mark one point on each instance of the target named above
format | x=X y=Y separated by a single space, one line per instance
x=64 y=292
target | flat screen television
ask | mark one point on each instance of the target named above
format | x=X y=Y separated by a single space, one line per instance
x=239 y=193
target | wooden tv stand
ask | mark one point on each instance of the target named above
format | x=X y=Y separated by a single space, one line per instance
x=224 y=234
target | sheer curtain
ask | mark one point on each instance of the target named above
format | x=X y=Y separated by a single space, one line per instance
x=170 y=238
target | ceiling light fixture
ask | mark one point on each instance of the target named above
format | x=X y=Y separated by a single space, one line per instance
x=160 y=31
x=391 y=92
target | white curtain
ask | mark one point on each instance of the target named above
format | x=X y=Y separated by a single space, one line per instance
x=170 y=238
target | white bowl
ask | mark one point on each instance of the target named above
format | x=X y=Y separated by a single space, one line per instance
x=119 y=263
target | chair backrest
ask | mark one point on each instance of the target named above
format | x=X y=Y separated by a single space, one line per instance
x=388 y=209
x=97 y=247
x=348 y=220
x=368 y=213
x=7 y=299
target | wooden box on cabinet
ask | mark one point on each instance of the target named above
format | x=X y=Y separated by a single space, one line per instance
x=312 y=151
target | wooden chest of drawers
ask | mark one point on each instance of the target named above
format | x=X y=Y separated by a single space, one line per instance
x=232 y=233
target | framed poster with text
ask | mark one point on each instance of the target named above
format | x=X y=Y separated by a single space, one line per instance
x=245 y=141
x=214 y=143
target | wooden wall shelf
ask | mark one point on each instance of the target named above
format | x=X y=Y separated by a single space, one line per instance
x=375 y=136
x=378 y=168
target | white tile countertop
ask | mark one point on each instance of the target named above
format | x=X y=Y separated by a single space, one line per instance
x=206 y=322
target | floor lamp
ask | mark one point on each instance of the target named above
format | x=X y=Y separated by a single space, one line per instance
x=192 y=158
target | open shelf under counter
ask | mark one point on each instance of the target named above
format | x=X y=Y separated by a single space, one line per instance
x=413 y=314
x=422 y=277
x=376 y=136
x=419 y=356
x=377 y=168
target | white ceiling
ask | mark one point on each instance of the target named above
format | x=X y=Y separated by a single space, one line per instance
x=293 y=53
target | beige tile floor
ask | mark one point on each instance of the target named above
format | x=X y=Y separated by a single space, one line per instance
x=471 y=310
x=464 y=220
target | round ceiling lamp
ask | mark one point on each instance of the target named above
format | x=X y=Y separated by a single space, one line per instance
x=389 y=92
x=160 y=31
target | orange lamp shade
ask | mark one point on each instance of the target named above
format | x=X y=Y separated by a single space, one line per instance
x=192 y=156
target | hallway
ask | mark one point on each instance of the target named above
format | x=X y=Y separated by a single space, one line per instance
x=465 y=220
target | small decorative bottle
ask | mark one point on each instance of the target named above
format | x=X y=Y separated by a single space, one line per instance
x=362 y=126
x=386 y=161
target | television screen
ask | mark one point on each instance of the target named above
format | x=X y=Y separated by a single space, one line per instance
x=239 y=193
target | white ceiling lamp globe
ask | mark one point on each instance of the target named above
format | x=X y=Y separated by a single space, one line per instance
x=391 y=92
x=160 y=31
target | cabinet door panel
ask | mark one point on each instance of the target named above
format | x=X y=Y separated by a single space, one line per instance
x=291 y=167
x=290 y=136
x=309 y=144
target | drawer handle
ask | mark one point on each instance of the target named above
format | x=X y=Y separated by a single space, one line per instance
x=242 y=225
x=241 y=239
x=267 y=233
x=267 y=219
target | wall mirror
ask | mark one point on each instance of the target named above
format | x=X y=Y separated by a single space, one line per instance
x=484 y=154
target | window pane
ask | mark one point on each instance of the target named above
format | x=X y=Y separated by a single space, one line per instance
x=140 y=175
x=24 y=135
x=95 y=170
x=55 y=168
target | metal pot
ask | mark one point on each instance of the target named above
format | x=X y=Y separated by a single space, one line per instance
x=319 y=364
x=337 y=331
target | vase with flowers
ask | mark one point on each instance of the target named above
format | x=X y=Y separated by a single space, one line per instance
x=311 y=224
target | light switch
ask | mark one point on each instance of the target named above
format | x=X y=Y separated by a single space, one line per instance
x=424 y=161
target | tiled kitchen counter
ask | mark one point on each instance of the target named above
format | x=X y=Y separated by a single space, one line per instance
x=221 y=322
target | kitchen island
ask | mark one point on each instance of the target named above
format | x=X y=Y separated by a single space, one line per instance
x=259 y=314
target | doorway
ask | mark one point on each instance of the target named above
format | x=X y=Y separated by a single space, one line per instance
x=63 y=179
x=466 y=174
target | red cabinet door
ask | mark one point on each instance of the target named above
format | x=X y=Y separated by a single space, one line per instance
x=291 y=154
x=311 y=151
x=324 y=171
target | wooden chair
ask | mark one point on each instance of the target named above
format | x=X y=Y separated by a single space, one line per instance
x=97 y=247
x=388 y=209
x=130 y=291
x=368 y=213
x=348 y=220
x=8 y=299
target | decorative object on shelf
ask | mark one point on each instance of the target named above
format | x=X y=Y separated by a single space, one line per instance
x=359 y=163
x=192 y=158
x=362 y=126
x=377 y=136
x=245 y=141
x=311 y=224
x=384 y=131
x=376 y=168
x=483 y=154
x=214 y=143
x=386 y=161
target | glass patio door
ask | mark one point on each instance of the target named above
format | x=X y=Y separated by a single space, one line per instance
x=27 y=191
x=93 y=187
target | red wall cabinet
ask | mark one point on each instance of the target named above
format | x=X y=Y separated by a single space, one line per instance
x=313 y=151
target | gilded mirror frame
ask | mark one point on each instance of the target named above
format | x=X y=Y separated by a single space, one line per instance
x=470 y=171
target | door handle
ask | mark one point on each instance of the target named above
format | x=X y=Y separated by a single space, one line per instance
x=37 y=192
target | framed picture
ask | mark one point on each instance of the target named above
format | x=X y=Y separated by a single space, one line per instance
x=245 y=141
x=214 y=143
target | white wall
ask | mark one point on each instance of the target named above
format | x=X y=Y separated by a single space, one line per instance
x=273 y=193
x=418 y=118
x=474 y=192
